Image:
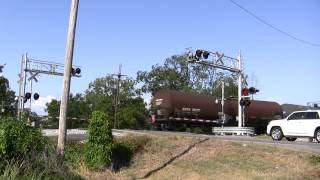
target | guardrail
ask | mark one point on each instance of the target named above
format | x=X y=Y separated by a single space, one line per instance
x=234 y=131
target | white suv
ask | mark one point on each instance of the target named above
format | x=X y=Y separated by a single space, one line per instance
x=297 y=124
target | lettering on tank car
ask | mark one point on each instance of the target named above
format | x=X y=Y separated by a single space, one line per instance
x=195 y=110
x=186 y=109
x=159 y=102
x=190 y=109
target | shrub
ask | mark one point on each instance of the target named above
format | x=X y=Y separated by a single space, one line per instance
x=99 y=145
x=26 y=154
x=18 y=140
x=44 y=166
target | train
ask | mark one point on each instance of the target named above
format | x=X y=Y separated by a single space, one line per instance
x=171 y=108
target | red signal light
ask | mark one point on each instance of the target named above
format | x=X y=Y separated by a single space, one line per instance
x=245 y=92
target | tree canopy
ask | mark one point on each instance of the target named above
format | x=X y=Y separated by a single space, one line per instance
x=78 y=112
x=101 y=96
x=178 y=74
x=7 y=98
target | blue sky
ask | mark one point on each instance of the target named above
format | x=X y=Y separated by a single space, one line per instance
x=141 y=33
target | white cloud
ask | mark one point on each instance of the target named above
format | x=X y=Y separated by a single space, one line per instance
x=39 y=105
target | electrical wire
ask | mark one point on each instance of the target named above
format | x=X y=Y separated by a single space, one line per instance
x=273 y=27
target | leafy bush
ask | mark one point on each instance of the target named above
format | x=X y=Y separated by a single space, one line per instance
x=74 y=154
x=17 y=140
x=44 y=166
x=26 y=154
x=99 y=145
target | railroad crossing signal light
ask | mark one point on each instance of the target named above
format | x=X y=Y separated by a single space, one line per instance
x=205 y=54
x=245 y=102
x=198 y=53
x=76 y=71
x=36 y=96
x=253 y=90
x=245 y=92
x=202 y=54
x=27 y=96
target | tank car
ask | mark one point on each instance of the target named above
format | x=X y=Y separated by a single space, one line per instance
x=174 y=107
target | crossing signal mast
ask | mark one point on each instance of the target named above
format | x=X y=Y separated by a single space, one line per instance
x=234 y=65
x=30 y=69
x=220 y=61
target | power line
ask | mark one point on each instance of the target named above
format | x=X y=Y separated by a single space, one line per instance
x=273 y=27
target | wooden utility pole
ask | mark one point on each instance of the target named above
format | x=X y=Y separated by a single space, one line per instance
x=67 y=78
x=119 y=75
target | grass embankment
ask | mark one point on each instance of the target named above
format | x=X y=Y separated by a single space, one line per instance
x=168 y=157
x=155 y=158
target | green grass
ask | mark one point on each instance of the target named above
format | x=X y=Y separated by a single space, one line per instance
x=225 y=160
x=315 y=159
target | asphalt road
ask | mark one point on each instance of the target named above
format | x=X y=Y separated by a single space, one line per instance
x=302 y=145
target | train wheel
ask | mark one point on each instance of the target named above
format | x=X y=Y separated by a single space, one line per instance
x=276 y=133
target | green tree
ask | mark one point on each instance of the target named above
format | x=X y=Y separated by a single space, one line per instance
x=78 y=112
x=101 y=95
x=133 y=115
x=177 y=74
x=231 y=85
x=7 y=96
